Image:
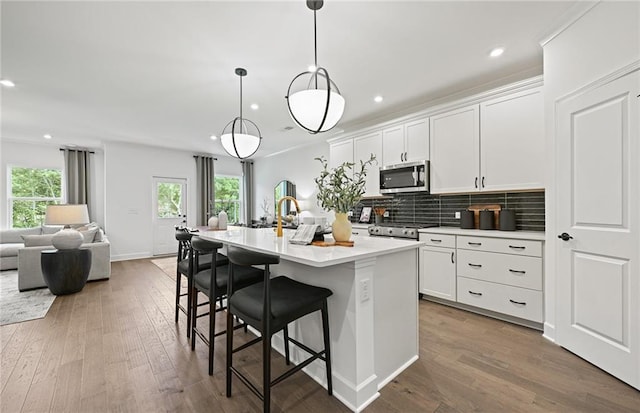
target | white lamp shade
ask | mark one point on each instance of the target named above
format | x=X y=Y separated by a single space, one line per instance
x=308 y=108
x=245 y=144
x=66 y=214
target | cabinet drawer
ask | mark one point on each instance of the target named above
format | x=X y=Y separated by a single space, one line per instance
x=515 y=270
x=503 y=245
x=438 y=240
x=514 y=301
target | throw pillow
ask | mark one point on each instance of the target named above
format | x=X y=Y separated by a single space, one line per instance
x=89 y=235
x=11 y=236
x=51 y=229
x=37 y=240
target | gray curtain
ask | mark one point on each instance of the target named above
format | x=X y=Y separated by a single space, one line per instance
x=247 y=191
x=205 y=189
x=78 y=179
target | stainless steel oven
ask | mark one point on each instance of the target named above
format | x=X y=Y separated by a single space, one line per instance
x=405 y=177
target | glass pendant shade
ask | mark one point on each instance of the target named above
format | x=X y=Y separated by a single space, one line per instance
x=238 y=141
x=316 y=110
x=241 y=137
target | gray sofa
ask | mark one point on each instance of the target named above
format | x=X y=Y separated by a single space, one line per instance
x=21 y=248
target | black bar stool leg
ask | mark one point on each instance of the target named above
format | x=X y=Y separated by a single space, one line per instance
x=212 y=332
x=327 y=345
x=193 y=317
x=178 y=281
x=229 y=350
x=285 y=332
x=189 y=305
x=266 y=371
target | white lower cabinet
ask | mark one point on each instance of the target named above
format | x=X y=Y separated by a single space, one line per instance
x=438 y=272
x=501 y=275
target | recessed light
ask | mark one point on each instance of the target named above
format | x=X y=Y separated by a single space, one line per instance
x=7 y=83
x=47 y=136
x=497 y=52
x=255 y=106
x=312 y=68
x=213 y=137
x=378 y=99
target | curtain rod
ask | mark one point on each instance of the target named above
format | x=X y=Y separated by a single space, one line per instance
x=74 y=149
x=205 y=156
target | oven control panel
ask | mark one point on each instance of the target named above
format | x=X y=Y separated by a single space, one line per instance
x=397 y=232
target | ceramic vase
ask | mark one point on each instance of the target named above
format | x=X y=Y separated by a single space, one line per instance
x=213 y=222
x=222 y=220
x=341 y=227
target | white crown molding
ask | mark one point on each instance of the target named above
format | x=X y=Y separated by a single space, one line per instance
x=566 y=20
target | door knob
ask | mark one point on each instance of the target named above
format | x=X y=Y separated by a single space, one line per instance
x=565 y=237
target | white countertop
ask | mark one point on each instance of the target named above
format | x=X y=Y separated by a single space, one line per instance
x=530 y=235
x=265 y=240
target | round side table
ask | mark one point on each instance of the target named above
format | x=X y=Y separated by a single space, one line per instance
x=66 y=271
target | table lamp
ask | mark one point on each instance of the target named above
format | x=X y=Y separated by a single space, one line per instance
x=67 y=215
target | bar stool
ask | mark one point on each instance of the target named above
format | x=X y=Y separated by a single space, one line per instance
x=212 y=282
x=269 y=306
x=185 y=266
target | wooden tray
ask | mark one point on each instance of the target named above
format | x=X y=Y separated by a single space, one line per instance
x=332 y=244
x=481 y=207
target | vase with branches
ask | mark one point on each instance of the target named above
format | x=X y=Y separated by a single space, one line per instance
x=340 y=190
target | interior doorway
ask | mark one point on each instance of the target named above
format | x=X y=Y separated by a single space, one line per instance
x=169 y=209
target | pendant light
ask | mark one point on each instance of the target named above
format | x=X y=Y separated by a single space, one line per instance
x=241 y=137
x=319 y=106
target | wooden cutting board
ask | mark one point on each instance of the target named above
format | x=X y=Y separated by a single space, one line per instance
x=332 y=244
x=481 y=207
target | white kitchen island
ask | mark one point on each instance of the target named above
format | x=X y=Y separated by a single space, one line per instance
x=373 y=312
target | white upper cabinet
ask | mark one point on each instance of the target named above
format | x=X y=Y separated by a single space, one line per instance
x=512 y=142
x=340 y=152
x=407 y=142
x=363 y=147
x=497 y=145
x=455 y=150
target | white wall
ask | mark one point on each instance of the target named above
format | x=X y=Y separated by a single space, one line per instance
x=297 y=166
x=129 y=172
x=33 y=155
x=603 y=40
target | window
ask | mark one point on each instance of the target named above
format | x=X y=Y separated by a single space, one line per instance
x=30 y=191
x=169 y=196
x=228 y=197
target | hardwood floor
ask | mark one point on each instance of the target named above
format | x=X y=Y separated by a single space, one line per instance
x=115 y=347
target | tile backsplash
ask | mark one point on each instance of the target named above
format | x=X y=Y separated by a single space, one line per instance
x=420 y=208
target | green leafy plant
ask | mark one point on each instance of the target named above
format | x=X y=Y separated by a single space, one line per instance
x=337 y=190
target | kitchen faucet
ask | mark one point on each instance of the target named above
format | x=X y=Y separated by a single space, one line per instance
x=290 y=198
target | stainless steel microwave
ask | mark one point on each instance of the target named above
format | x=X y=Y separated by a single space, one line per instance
x=405 y=177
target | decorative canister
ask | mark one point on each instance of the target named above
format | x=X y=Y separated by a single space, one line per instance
x=222 y=220
x=467 y=219
x=507 y=220
x=487 y=217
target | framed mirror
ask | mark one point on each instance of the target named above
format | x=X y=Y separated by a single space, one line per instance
x=284 y=188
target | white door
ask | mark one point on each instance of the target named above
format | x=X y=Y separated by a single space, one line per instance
x=598 y=213
x=169 y=210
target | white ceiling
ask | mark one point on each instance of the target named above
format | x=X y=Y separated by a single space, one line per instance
x=162 y=73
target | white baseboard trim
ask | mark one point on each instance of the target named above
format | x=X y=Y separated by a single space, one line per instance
x=134 y=256
x=549 y=332
x=395 y=374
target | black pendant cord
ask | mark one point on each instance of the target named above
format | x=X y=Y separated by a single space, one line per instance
x=315 y=47
x=240 y=103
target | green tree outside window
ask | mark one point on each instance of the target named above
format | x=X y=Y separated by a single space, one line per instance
x=31 y=190
x=228 y=197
